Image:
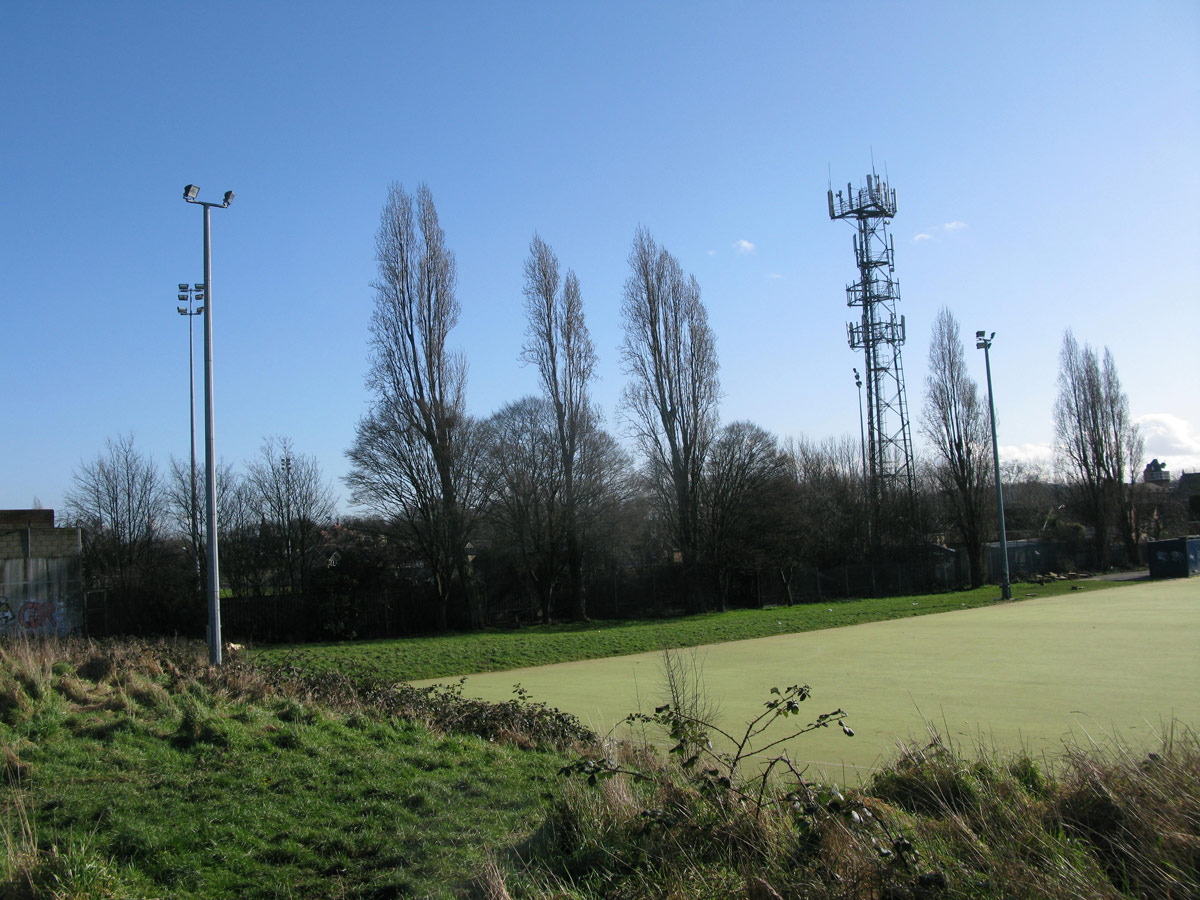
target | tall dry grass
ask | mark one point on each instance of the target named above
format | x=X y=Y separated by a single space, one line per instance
x=1100 y=821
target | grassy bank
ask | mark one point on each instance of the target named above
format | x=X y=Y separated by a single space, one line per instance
x=135 y=771
x=493 y=650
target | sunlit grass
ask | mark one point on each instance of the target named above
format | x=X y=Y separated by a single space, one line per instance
x=192 y=791
x=451 y=655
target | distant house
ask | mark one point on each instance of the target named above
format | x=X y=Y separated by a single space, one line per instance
x=1156 y=473
x=41 y=574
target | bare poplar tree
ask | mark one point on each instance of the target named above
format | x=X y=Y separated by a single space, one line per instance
x=1098 y=445
x=1129 y=449
x=558 y=343
x=955 y=421
x=671 y=399
x=413 y=458
x=294 y=502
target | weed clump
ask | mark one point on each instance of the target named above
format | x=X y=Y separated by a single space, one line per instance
x=928 y=781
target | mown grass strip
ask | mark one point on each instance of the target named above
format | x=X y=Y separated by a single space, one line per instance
x=494 y=650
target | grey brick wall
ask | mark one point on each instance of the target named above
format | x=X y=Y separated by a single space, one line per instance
x=39 y=543
x=12 y=544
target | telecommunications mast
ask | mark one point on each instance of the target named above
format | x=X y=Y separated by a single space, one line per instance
x=879 y=334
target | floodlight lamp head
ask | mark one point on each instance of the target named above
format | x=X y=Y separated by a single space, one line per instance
x=199 y=309
x=190 y=191
x=182 y=298
x=181 y=310
x=228 y=197
x=979 y=335
x=183 y=287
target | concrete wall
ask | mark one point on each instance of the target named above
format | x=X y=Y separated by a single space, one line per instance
x=41 y=580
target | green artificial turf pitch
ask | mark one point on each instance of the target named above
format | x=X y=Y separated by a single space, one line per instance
x=1119 y=663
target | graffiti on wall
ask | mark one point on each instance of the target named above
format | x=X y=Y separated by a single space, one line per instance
x=33 y=615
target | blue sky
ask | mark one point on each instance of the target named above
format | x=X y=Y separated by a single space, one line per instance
x=1044 y=157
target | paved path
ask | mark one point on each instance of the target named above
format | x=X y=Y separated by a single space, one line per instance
x=1032 y=674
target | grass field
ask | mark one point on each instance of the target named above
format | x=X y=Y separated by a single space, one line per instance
x=496 y=650
x=135 y=770
x=1028 y=675
x=132 y=770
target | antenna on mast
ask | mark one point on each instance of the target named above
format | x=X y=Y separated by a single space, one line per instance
x=879 y=334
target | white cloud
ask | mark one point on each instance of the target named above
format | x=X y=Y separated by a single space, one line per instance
x=939 y=230
x=774 y=275
x=743 y=246
x=711 y=252
x=1031 y=453
x=1171 y=440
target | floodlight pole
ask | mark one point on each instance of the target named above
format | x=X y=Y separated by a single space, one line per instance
x=210 y=456
x=985 y=344
x=191 y=293
x=862 y=431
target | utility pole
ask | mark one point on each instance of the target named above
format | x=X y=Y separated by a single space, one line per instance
x=210 y=456
x=862 y=432
x=187 y=294
x=984 y=343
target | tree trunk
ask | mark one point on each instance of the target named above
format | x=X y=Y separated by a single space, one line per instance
x=575 y=576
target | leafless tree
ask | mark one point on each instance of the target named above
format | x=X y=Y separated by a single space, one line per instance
x=743 y=460
x=294 y=502
x=671 y=399
x=185 y=509
x=833 y=512
x=526 y=493
x=119 y=501
x=526 y=496
x=955 y=422
x=1098 y=446
x=246 y=561
x=414 y=455
x=604 y=486
x=558 y=343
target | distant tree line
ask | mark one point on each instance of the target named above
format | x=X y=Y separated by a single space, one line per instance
x=538 y=512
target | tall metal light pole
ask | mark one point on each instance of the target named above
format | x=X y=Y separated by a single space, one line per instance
x=983 y=341
x=187 y=294
x=210 y=457
x=286 y=462
x=862 y=432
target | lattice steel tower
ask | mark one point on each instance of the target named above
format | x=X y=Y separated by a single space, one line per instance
x=879 y=334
